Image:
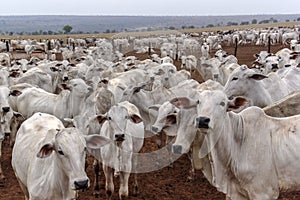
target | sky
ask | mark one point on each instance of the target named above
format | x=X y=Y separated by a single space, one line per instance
x=149 y=7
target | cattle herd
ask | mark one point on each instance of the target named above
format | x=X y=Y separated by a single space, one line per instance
x=239 y=124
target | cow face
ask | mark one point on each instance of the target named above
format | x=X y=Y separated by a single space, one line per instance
x=6 y=113
x=69 y=146
x=119 y=118
x=212 y=105
x=167 y=114
x=242 y=81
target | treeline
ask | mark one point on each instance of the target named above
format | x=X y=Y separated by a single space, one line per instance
x=67 y=29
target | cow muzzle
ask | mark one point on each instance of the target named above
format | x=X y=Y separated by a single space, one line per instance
x=202 y=122
x=155 y=129
x=6 y=109
x=119 y=137
x=216 y=76
x=79 y=185
x=177 y=149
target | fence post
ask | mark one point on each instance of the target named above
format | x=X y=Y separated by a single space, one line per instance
x=176 y=57
x=149 y=49
x=7 y=46
x=269 y=44
x=235 y=46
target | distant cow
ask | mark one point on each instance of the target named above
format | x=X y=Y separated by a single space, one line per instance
x=49 y=159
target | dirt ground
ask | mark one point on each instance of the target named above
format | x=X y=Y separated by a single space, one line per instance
x=169 y=183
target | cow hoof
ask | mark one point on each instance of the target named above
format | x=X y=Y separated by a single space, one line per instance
x=189 y=179
x=2 y=182
x=96 y=195
x=123 y=197
x=135 y=191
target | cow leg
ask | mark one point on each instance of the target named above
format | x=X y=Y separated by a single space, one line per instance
x=109 y=182
x=159 y=140
x=135 y=186
x=191 y=174
x=135 y=183
x=2 y=177
x=96 y=179
x=123 y=191
x=168 y=140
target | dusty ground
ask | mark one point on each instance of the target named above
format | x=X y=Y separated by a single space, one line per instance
x=165 y=184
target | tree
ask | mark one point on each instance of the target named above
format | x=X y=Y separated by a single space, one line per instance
x=67 y=28
x=244 y=23
x=254 y=21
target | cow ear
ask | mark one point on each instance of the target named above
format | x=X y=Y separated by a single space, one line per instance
x=96 y=141
x=54 y=69
x=68 y=122
x=183 y=102
x=47 y=144
x=171 y=120
x=237 y=104
x=65 y=86
x=19 y=116
x=15 y=93
x=136 y=119
x=14 y=74
x=101 y=118
x=45 y=151
x=258 y=77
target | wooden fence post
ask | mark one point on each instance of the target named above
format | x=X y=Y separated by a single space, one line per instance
x=7 y=46
x=269 y=44
x=235 y=46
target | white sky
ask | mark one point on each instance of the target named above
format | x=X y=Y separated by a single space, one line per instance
x=149 y=7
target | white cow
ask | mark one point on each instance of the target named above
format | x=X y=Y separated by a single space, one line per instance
x=253 y=156
x=5 y=59
x=205 y=49
x=173 y=120
x=260 y=89
x=8 y=121
x=143 y=98
x=289 y=36
x=123 y=125
x=49 y=159
x=189 y=63
x=67 y=104
x=4 y=77
x=36 y=77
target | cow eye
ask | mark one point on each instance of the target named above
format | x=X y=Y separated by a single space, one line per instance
x=60 y=152
x=108 y=118
x=222 y=103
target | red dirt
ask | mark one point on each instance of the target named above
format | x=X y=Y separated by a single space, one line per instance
x=165 y=184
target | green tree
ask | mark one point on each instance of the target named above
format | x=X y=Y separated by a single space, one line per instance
x=254 y=21
x=209 y=26
x=67 y=28
x=244 y=23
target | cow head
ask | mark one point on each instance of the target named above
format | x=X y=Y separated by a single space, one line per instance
x=6 y=113
x=69 y=147
x=119 y=118
x=167 y=114
x=213 y=106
